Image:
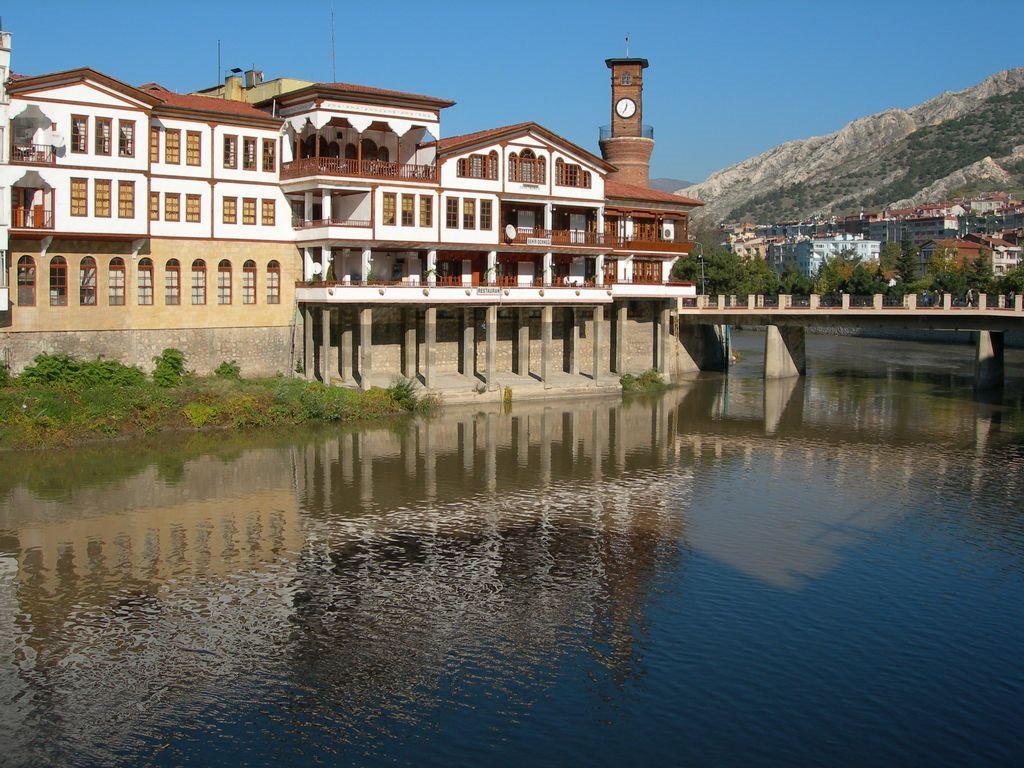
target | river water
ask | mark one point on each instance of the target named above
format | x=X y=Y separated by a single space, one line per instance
x=825 y=571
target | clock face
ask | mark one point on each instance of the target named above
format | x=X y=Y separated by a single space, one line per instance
x=625 y=107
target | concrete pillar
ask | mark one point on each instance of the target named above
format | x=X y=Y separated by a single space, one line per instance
x=409 y=343
x=546 y=269
x=307 y=206
x=326 y=359
x=982 y=300
x=468 y=364
x=307 y=263
x=784 y=353
x=365 y=265
x=325 y=207
x=307 y=347
x=621 y=316
x=988 y=366
x=345 y=349
x=545 y=345
x=431 y=267
x=547 y=216
x=947 y=301
x=846 y=300
x=751 y=301
x=910 y=301
x=365 y=347
x=663 y=336
x=721 y=301
x=523 y=342
x=599 y=267
x=572 y=333
x=814 y=301
x=1018 y=302
x=598 y=335
x=429 y=346
x=701 y=349
x=600 y=221
x=876 y=301
x=492 y=348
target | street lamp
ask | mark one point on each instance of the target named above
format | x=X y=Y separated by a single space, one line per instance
x=700 y=258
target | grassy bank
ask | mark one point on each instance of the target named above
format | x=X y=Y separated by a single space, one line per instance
x=63 y=401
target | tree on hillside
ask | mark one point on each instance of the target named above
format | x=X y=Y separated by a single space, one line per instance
x=906 y=262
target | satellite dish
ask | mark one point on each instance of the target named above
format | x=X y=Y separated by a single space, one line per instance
x=57 y=140
x=510 y=232
x=316 y=269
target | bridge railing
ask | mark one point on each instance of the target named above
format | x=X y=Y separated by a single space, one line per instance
x=937 y=302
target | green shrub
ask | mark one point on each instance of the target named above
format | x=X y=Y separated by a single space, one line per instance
x=170 y=368
x=647 y=380
x=199 y=414
x=69 y=371
x=5 y=375
x=403 y=393
x=229 y=369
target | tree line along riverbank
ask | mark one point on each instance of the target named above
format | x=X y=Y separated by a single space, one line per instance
x=60 y=400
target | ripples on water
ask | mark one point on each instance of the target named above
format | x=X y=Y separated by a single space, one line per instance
x=819 y=572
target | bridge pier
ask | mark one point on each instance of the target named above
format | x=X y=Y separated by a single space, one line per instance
x=784 y=352
x=988 y=365
x=702 y=348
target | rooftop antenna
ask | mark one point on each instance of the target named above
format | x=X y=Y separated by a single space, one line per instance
x=220 y=72
x=334 y=72
x=627 y=45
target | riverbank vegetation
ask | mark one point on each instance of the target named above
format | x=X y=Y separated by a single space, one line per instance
x=648 y=381
x=61 y=400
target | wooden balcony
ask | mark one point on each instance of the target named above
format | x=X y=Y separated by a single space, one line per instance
x=367 y=169
x=545 y=237
x=658 y=246
x=333 y=222
x=33 y=154
x=36 y=217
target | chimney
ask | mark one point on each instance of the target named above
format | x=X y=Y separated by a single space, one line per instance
x=253 y=77
x=233 y=87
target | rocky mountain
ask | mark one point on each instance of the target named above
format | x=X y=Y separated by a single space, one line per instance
x=964 y=141
x=668 y=185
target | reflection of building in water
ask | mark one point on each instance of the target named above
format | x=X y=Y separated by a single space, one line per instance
x=536 y=532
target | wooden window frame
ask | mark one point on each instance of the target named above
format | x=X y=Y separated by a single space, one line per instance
x=79 y=144
x=193 y=148
x=268 y=212
x=58 y=281
x=172 y=146
x=451 y=213
x=248 y=153
x=230 y=154
x=224 y=283
x=469 y=213
x=426 y=211
x=197 y=283
x=249 y=282
x=26 y=281
x=104 y=140
x=172 y=283
x=144 y=282
x=154 y=206
x=102 y=198
x=172 y=206
x=154 y=144
x=116 y=273
x=269 y=156
x=193 y=209
x=486 y=215
x=273 y=282
x=408 y=210
x=88 y=282
x=229 y=210
x=126 y=199
x=388 y=209
x=126 y=138
x=79 y=198
x=249 y=211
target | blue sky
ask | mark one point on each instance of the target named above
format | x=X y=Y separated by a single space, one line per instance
x=727 y=80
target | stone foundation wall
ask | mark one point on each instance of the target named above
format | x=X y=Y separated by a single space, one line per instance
x=262 y=351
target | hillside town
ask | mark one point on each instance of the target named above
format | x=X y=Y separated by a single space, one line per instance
x=990 y=224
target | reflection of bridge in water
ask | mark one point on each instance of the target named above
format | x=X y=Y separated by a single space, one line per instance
x=786 y=323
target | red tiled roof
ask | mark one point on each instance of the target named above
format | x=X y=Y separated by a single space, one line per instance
x=378 y=91
x=480 y=136
x=633 y=192
x=204 y=103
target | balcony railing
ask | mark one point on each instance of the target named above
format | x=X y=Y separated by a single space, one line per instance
x=541 y=237
x=36 y=154
x=298 y=223
x=646 y=132
x=668 y=246
x=31 y=218
x=373 y=169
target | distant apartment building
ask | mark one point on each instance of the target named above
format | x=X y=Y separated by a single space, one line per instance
x=807 y=255
x=1006 y=256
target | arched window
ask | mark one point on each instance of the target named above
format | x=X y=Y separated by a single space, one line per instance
x=145 y=282
x=58 y=281
x=87 y=282
x=383 y=154
x=274 y=282
x=249 y=282
x=224 y=282
x=369 y=147
x=492 y=164
x=115 y=282
x=26 y=281
x=172 y=283
x=198 y=281
x=527 y=166
x=350 y=151
x=513 y=167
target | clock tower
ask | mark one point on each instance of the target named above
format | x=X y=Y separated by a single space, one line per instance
x=627 y=142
